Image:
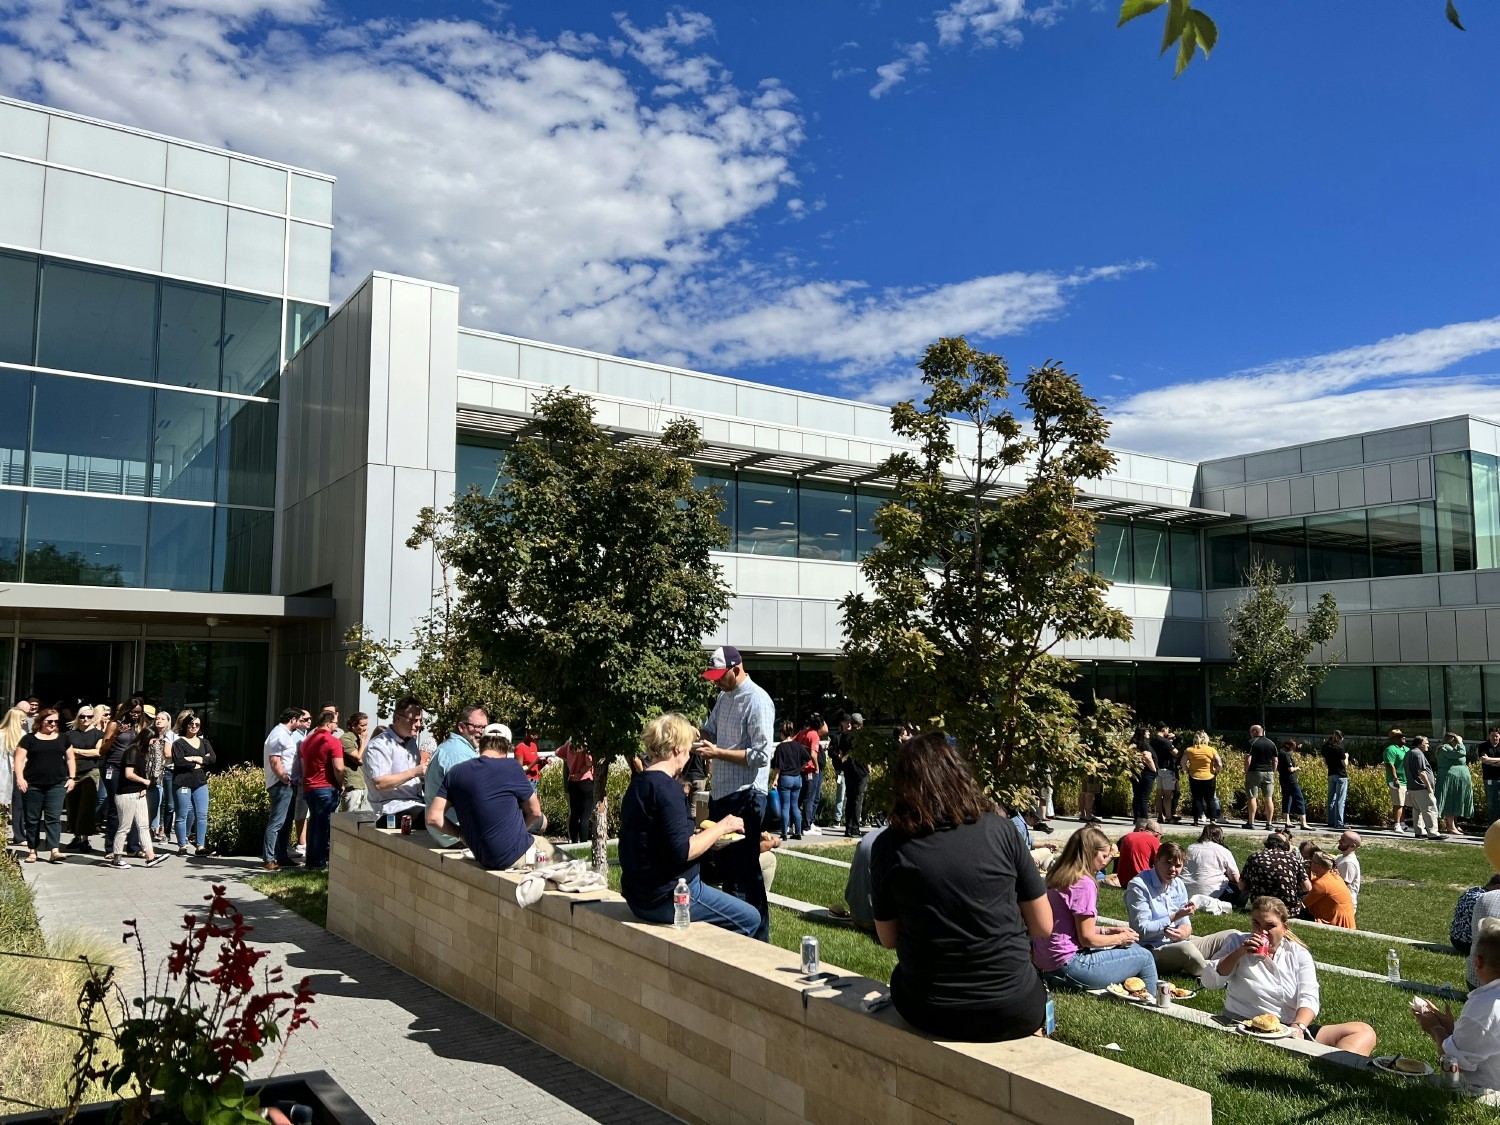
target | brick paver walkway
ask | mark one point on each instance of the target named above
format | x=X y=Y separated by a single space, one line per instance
x=405 y=1052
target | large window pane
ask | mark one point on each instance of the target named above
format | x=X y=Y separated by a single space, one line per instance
x=242 y=551
x=10 y=542
x=188 y=343
x=1346 y=701
x=1154 y=703
x=182 y=452
x=1112 y=550
x=476 y=468
x=247 y=452
x=1228 y=549
x=181 y=549
x=1150 y=549
x=1115 y=681
x=98 y=322
x=1455 y=511
x=723 y=480
x=1491 y=696
x=17 y=307
x=866 y=504
x=90 y=436
x=1225 y=712
x=15 y=420
x=84 y=541
x=223 y=681
x=767 y=517
x=1282 y=544
x=1188 y=696
x=1405 y=696
x=1338 y=546
x=1403 y=540
x=1486 y=470
x=1465 y=701
x=252 y=344
x=825 y=523
x=1187 y=571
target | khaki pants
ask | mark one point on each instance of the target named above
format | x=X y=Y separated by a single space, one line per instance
x=1424 y=816
x=1190 y=956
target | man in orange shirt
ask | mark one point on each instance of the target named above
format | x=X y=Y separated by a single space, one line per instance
x=1329 y=900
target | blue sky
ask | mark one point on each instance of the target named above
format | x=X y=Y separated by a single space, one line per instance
x=1297 y=237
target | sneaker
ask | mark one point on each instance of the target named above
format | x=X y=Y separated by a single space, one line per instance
x=272 y=866
x=1043 y=826
x=182 y=850
x=814 y=830
x=1247 y=824
x=1400 y=828
x=1432 y=836
x=157 y=860
x=119 y=864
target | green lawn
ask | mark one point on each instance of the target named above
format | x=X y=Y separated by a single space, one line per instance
x=305 y=892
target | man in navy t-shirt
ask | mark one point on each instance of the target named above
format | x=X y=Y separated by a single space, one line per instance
x=494 y=801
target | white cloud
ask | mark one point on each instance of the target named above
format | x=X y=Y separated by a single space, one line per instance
x=1396 y=380
x=913 y=57
x=989 y=21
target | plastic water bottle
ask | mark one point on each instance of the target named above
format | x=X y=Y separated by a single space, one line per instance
x=1050 y=1026
x=682 y=901
x=1392 y=966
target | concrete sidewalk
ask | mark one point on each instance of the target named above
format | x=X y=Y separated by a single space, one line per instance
x=404 y=1051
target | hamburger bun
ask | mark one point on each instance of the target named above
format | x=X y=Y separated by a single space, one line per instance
x=1264 y=1023
x=1411 y=1066
x=1134 y=984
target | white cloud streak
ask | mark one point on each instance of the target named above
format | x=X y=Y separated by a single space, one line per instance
x=913 y=59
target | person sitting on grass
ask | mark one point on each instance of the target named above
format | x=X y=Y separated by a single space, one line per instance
x=493 y=799
x=1275 y=872
x=1156 y=903
x=1461 y=929
x=1347 y=864
x=1137 y=850
x=658 y=845
x=1210 y=868
x=1328 y=900
x=957 y=897
x=1080 y=952
x=859 y=894
x=1473 y=1039
x=1269 y=972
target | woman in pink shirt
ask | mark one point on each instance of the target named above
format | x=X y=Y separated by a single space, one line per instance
x=580 y=767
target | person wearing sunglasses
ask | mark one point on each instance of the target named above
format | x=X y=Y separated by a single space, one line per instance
x=44 y=775
x=84 y=737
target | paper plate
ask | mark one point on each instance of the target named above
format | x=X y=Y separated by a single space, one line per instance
x=1387 y=1064
x=1284 y=1033
x=1118 y=990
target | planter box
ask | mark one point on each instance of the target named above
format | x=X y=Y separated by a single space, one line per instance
x=330 y=1105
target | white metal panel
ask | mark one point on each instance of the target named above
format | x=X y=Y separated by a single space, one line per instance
x=737 y=627
x=379 y=366
x=636 y=417
x=821 y=414
x=767 y=576
x=194 y=239
x=256 y=185
x=1473 y=643
x=873 y=422
x=312 y=198
x=380 y=500
x=1359 y=642
x=1413 y=632
x=1152 y=601
x=309 y=263
x=257 y=251
x=100 y=219
x=485 y=356
x=1385 y=639
x=442 y=380
x=1442 y=636
x=788 y=623
x=475 y=392
x=766 y=404
x=1185 y=603
x=1325 y=492
x=411 y=339
x=21 y=188
x=825 y=579
x=507 y=396
x=81 y=144
x=196 y=171
x=23 y=131
x=411 y=570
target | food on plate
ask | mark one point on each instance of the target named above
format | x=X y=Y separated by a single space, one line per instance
x=1409 y=1066
x=1134 y=984
x=1179 y=993
x=706 y=823
x=1265 y=1024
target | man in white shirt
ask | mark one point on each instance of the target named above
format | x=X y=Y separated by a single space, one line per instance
x=1473 y=1039
x=395 y=766
x=280 y=758
x=1347 y=864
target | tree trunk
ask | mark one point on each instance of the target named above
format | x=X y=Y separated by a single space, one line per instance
x=599 y=855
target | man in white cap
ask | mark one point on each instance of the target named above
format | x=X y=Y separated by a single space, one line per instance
x=738 y=738
x=460 y=746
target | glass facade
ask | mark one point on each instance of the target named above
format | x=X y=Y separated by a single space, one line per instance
x=1372 y=542
x=223 y=681
x=197 y=421
x=1485 y=470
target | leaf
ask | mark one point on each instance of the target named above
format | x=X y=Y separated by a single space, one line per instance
x=1185 y=48
x=1451 y=13
x=1176 y=22
x=1207 y=30
x=1132 y=8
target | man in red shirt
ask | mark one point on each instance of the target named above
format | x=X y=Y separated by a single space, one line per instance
x=1138 y=850
x=322 y=757
x=526 y=752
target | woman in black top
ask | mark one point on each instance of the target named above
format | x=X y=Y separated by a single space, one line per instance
x=44 y=775
x=192 y=754
x=1145 y=775
x=82 y=802
x=788 y=761
x=958 y=898
x=1292 y=800
x=120 y=738
x=131 y=806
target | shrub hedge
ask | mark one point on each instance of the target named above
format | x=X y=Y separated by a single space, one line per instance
x=238 y=810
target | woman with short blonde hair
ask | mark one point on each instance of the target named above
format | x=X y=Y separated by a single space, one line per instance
x=12 y=730
x=658 y=846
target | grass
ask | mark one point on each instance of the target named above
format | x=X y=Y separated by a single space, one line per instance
x=303 y=892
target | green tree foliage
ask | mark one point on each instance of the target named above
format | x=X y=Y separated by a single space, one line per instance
x=437 y=664
x=1271 y=652
x=586 y=578
x=980 y=573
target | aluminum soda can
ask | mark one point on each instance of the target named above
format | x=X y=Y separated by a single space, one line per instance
x=405 y=825
x=809 y=956
x=1163 y=994
x=1449 y=1069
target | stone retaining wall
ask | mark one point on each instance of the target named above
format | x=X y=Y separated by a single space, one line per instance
x=707 y=1025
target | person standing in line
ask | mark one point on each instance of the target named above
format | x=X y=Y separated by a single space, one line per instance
x=45 y=769
x=1455 y=784
x=158 y=764
x=356 y=797
x=856 y=780
x=121 y=737
x=838 y=752
x=1164 y=750
x=578 y=767
x=1144 y=780
x=104 y=807
x=1260 y=776
x=461 y=745
x=132 y=810
x=526 y=752
x=1336 y=758
x=812 y=736
x=192 y=754
x=737 y=739
x=84 y=737
x=1292 y=800
x=279 y=754
x=1347 y=864
x=787 y=764
x=1489 y=768
x=1395 y=778
x=396 y=764
x=1421 y=791
x=322 y=757
x=28 y=707
x=12 y=730
x=1202 y=763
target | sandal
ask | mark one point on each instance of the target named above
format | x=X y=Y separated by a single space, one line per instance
x=30 y=857
x=55 y=857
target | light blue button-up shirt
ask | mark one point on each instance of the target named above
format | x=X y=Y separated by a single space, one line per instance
x=1150 y=906
x=454 y=749
x=742 y=719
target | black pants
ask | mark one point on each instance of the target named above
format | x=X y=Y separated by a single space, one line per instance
x=739 y=863
x=854 y=801
x=81 y=803
x=1140 y=795
x=580 y=811
x=1205 y=798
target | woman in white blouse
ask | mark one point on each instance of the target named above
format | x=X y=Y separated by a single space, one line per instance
x=1270 y=971
x=1210 y=868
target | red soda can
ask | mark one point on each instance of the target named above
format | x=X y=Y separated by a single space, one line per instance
x=405 y=825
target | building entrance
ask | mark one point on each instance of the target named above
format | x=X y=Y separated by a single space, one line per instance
x=73 y=672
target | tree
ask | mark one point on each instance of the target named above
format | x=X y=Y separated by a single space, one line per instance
x=1270 y=652
x=586 y=579
x=978 y=578
x=437 y=665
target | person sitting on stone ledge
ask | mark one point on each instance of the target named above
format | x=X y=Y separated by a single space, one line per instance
x=958 y=898
x=494 y=801
x=658 y=845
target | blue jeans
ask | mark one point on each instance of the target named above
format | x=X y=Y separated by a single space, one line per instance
x=278 y=828
x=740 y=862
x=321 y=805
x=709 y=905
x=1492 y=799
x=812 y=790
x=789 y=792
x=1291 y=796
x=192 y=808
x=1338 y=793
x=1097 y=968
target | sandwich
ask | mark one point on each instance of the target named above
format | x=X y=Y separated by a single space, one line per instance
x=1136 y=987
x=1410 y=1066
x=1265 y=1024
x=1179 y=993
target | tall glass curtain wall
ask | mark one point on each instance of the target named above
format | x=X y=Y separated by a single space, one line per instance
x=1458 y=530
x=1427 y=699
x=224 y=682
x=192 y=437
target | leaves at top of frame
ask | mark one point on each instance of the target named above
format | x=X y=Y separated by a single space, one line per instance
x=1452 y=13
